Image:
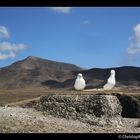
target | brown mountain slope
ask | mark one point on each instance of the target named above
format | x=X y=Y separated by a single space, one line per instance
x=126 y=75
x=34 y=71
x=96 y=77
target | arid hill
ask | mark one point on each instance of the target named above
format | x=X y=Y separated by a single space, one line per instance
x=125 y=76
x=34 y=71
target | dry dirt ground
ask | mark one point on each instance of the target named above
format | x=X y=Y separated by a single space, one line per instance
x=15 y=119
x=10 y=96
x=28 y=120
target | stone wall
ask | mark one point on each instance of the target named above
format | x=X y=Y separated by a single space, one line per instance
x=130 y=105
x=94 y=109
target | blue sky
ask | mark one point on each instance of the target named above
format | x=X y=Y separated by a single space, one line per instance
x=89 y=37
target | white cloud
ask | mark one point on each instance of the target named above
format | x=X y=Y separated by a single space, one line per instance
x=134 y=42
x=7 y=46
x=12 y=49
x=86 y=22
x=4 y=32
x=8 y=49
x=64 y=10
x=6 y=56
x=133 y=51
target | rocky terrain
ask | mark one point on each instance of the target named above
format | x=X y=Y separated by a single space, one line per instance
x=97 y=110
x=28 y=120
x=100 y=113
x=23 y=120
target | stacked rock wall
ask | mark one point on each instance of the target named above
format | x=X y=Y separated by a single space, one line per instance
x=93 y=109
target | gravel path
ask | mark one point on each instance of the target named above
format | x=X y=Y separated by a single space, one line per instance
x=28 y=120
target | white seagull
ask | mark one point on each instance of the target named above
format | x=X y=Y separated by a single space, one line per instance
x=79 y=82
x=111 y=81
